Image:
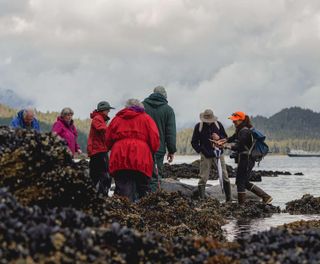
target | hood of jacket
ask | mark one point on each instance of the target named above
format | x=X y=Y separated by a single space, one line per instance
x=60 y=119
x=155 y=100
x=20 y=115
x=128 y=113
x=96 y=113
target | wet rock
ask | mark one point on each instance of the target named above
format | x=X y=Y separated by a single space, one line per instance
x=67 y=236
x=171 y=185
x=302 y=225
x=38 y=169
x=308 y=204
x=187 y=171
x=170 y=214
x=278 y=246
x=35 y=235
x=249 y=210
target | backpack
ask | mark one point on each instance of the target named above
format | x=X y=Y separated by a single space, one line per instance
x=259 y=148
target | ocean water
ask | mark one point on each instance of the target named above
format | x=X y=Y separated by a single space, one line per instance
x=283 y=189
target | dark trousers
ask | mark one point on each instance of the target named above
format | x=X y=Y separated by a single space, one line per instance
x=131 y=184
x=98 y=166
x=245 y=166
x=157 y=174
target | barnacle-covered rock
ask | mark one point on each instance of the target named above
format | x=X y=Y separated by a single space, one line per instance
x=187 y=171
x=39 y=170
x=308 y=204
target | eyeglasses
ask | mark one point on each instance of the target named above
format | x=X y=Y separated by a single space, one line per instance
x=235 y=114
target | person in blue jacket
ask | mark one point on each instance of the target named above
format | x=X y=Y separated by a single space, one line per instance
x=26 y=119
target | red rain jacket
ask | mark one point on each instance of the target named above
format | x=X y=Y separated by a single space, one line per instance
x=97 y=136
x=133 y=138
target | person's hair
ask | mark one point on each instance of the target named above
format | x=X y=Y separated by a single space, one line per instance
x=134 y=102
x=161 y=90
x=247 y=122
x=28 y=111
x=66 y=111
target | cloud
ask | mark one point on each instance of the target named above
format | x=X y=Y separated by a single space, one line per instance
x=226 y=55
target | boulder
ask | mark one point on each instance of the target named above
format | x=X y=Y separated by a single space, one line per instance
x=214 y=191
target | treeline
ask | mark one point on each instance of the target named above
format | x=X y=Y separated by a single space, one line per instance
x=291 y=128
x=276 y=146
x=46 y=121
x=290 y=123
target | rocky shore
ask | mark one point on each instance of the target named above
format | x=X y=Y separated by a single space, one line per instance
x=49 y=213
x=188 y=171
x=308 y=204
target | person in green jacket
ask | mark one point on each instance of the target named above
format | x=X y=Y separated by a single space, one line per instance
x=156 y=105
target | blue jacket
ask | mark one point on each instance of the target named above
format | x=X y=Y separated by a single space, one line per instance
x=18 y=122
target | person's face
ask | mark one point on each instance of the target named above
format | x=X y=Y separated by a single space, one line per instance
x=28 y=118
x=237 y=122
x=68 y=117
x=106 y=112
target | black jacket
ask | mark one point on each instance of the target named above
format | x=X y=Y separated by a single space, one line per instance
x=200 y=139
x=242 y=138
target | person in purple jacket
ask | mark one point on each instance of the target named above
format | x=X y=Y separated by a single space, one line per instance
x=64 y=127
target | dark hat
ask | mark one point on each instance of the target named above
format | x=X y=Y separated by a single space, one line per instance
x=104 y=105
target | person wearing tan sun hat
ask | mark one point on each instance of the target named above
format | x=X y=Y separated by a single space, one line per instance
x=204 y=132
x=243 y=141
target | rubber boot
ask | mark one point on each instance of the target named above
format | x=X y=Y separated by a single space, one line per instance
x=266 y=198
x=227 y=190
x=241 y=198
x=202 y=191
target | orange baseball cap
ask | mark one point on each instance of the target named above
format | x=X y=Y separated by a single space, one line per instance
x=238 y=116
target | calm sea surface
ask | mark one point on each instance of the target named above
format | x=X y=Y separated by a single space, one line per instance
x=283 y=189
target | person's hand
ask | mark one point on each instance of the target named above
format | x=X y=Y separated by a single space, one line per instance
x=227 y=146
x=215 y=136
x=79 y=151
x=214 y=143
x=222 y=141
x=170 y=157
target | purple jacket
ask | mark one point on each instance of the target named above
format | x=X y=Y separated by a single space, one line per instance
x=68 y=132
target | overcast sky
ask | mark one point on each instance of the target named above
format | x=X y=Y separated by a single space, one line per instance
x=257 y=56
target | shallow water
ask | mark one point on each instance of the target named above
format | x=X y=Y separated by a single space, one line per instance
x=283 y=189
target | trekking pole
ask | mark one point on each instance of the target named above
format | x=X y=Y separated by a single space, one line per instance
x=219 y=168
x=217 y=152
x=156 y=170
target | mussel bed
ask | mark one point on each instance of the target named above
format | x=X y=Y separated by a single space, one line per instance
x=50 y=213
x=187 y=171
x=308 y=204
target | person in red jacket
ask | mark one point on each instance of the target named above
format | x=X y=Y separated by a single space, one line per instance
x=97 y=148
x=133 y=138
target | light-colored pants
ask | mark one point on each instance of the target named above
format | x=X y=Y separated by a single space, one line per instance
x=207 y=164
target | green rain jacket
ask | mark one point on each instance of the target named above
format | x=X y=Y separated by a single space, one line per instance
x=156 y=105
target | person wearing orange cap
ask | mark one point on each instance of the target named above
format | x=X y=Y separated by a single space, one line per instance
x=243 y=141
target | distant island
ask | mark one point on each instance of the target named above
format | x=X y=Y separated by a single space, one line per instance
x=291 y=128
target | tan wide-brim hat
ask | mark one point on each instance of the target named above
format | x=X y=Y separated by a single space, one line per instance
x=208 y=117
